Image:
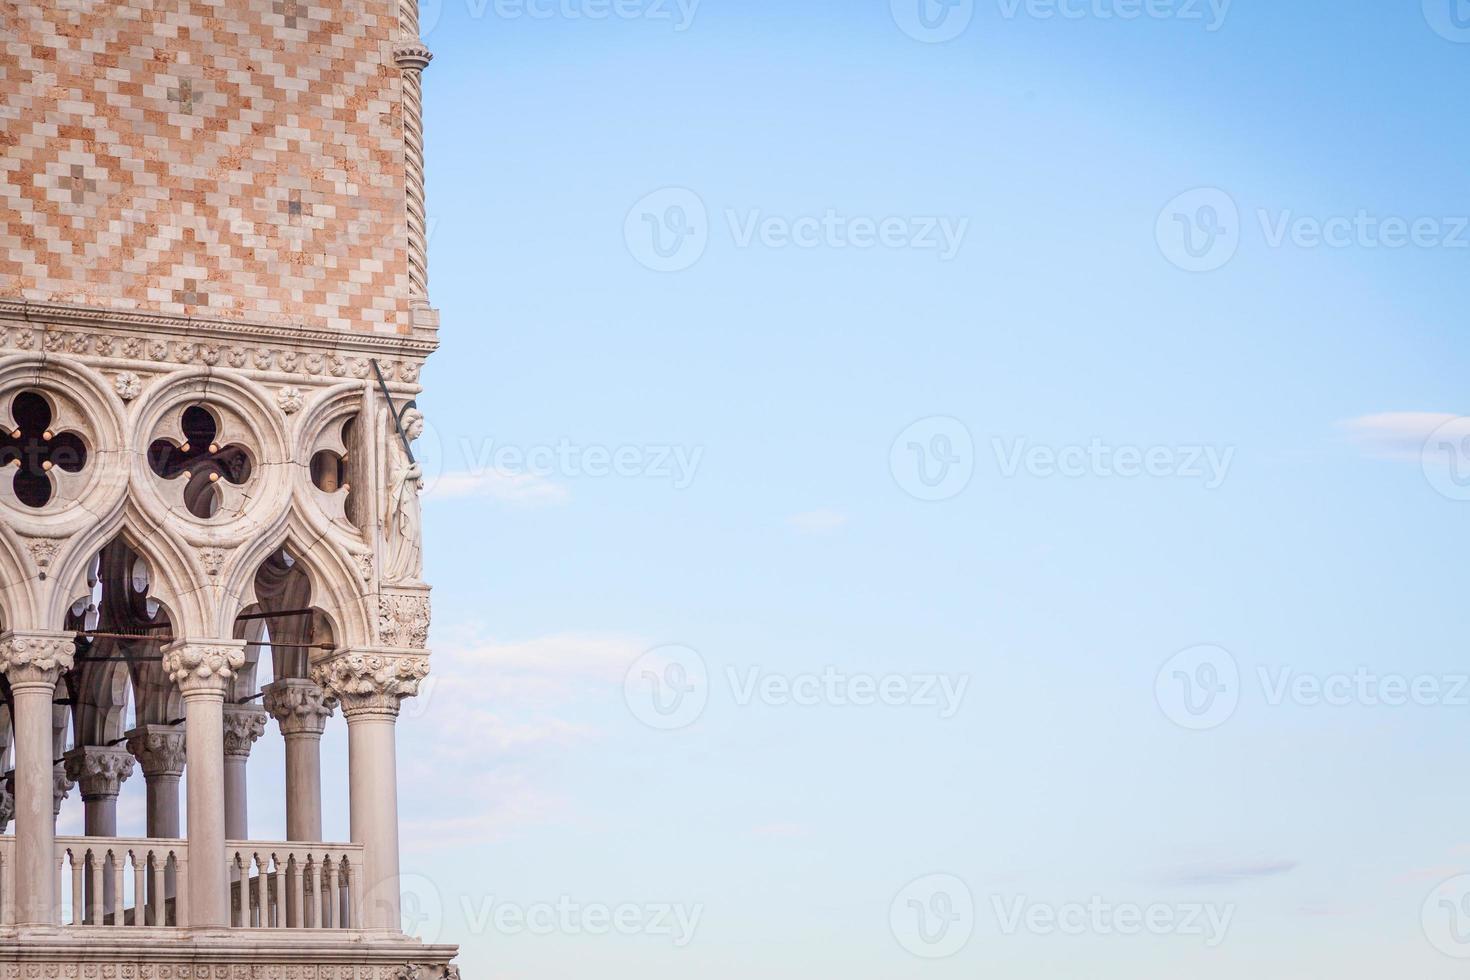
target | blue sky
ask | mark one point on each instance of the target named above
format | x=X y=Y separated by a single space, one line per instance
x=767 y=527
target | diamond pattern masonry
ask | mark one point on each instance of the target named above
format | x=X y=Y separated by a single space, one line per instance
x=221 y=158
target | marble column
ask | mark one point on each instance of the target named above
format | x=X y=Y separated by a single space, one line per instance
x=100 y=771
x=371 y=685
x=161 y=752
x=203 y=670
x=301 y=708
x=243 y=725
x=32 y=662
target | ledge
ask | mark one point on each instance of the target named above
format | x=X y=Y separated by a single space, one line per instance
x=420 y=344
x=169 y=953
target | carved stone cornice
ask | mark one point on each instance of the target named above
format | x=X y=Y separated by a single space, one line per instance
x=300 y=706
x=161 y=750
x=371 y=682
x=99 y=770
x=203 y=667
x=34 y=658
x=244 y=724
x=203 y=329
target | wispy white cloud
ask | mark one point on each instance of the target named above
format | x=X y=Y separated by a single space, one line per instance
x=1400 y=435
x=821 y=521
x=505 y=710
x=521 y=489
x=1228 y=874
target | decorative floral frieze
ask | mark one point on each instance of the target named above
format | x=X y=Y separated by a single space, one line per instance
x=313 y=365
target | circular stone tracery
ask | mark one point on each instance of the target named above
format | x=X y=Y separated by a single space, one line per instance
x=34 y=450
x=201 y=460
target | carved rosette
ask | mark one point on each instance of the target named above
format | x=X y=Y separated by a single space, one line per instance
x=244 y=724
x=161 y=750
x=202 y=667
x=99 y=770
x=300 y=706
x=371 y=683
x=36 y=658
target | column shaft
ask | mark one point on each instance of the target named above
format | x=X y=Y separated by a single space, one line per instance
x=373 y=765
x=35 y=820
x=209 y=880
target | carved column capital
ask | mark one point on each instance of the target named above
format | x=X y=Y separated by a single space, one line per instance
x=160 y=749
x=60 y=787
x=203 y=667
x=300 y=706
x=99 y=770
x=371 y=682
x=36 y=658
x=244 y=724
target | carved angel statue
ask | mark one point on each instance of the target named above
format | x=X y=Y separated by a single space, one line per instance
x=403 y=544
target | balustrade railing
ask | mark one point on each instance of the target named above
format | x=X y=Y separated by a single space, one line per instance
x=116 y=882
x=106 y=882
x=295 y=886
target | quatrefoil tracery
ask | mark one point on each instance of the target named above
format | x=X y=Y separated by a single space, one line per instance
x=202 y=460
x=35 y=450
